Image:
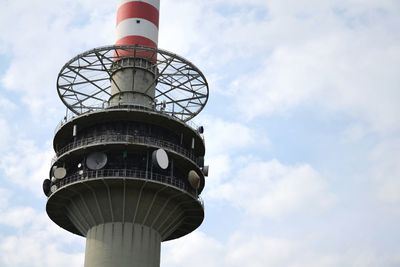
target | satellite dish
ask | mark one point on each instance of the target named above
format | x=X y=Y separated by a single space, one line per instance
x=96 y=160
x=200 y=130
x=200 y=161
x=46 y=187
x=53 y=188
x=59 y=173
x=205 y=170
x=160 y=158
x=194 y=179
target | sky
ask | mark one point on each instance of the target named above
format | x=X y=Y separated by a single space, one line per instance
x=302 y=128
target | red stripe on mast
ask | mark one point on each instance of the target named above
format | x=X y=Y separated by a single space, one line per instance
x=138 y=10
x=139 y=40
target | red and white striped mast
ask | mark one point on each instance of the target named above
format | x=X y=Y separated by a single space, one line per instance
x=138 y=23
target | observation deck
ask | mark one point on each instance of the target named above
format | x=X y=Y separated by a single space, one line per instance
x=127 y=155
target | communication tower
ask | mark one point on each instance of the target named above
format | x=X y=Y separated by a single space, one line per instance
x=129 y=164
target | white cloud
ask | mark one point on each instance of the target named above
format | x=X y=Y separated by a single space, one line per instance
x=17 y=217
x=272 y=189
x=6 y=134
x=28 y=251
x=37 y=243
x=197 y=249
x=336 y=72
x=257 y=250
x=6 y=105
x=339 y=56
x=385 y=166
x=226 y=143
x=34 y=240
x=354 y=133
x=227 y=136
x=43 y=39
x=4 y=197
x=26 y=165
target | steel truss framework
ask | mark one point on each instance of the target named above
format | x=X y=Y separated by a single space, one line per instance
x=84 y=83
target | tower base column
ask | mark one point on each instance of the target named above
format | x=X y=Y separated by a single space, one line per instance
x=123 y=245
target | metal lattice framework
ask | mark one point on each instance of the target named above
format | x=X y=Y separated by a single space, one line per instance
x=84 y=83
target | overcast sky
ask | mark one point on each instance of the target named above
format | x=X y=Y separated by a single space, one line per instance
x=302 y=128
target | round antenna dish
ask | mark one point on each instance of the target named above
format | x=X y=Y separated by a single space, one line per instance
x=96 y=160
x=200 y=130
x=46 y=187
x=59 y=173
x=194 y=179
x=205 y=170
x=160 y=158
x=200 y=161
x=53 y=188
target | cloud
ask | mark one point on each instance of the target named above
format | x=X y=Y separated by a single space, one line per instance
x=257 y=250
x=323 y=74
x=34 y=240
x=38 y=244
x=277 y=56
x=43 y=39
x=6 y=134
x=264 y=189
x=272 y=189
x=24 y=251
x=26 y=165
x=4 y=197
x=273 y=57
x=261 y=251
x=197 y=249
x=17 y=217
x=223 y=136
x=385 y=171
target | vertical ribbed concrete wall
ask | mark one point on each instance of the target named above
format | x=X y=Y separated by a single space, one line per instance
x=122 y=245
x=124 y=220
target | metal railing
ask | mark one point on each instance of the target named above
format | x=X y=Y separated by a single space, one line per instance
x=157 y=109
x=130 y=139
x=127 y=173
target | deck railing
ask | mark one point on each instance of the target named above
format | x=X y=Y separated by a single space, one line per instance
x=126 y=139
x=83 y=175
x=157 y=109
